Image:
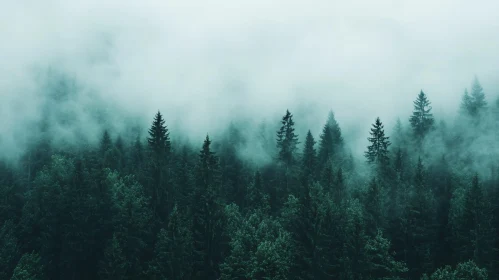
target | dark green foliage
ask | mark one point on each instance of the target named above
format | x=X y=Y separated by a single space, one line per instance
x=309 y=160
x=420 y=223
x=380 y=263
x=9 y=249
x=421 y=120
x=260 y=248
x=114 y=264
x=473 y=233
x=287 y=140
x=159 y=138
x=173 y=250
x=377 y=151
x=127 y=208
x=373 y=207
x=233 y=177
x=207 y=215
x=29 y=267
x=331 y=142
x=159 y=186
x=464 y=271
x=132 y=219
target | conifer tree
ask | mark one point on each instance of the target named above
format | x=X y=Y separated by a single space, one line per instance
x=159 y=187
x=339 y=192
x=159 y=138
x=422 y=120
x=420 y=216
x=184 y=180
x=478 y=97
x=326 y=147
x=105 y=143
x=335 y=131
x=377 y=152
x=173 y=250
x=474 y=233
x=233 y=177
x=114 y=265
x=373 y=207
x=287 y=140
x=331 y=142
x=466 y=103
x=309 y=159
x=207 y=215
x=474 y=103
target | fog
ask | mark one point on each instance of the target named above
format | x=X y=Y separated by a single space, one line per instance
x=204 y=63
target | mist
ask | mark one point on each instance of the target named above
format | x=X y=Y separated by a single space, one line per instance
x=205 y=64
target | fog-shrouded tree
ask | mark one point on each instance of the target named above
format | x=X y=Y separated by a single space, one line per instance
x=421 y=120
x=309 y=160
x=474 y=103
x=287 y=140
x=122 y=205
x=377 y=151
x=330 y=143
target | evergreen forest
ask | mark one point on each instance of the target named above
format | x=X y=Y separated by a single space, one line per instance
x=422 y=203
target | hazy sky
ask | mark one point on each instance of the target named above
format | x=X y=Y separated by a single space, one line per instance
x=200 y=62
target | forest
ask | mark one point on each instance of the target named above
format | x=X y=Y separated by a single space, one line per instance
x=423 y=202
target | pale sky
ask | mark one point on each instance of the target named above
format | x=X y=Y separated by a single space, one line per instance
x=202 y=62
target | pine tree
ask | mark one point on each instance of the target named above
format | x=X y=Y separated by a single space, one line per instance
x=475 y=234
x=184 y=179
x=380 y=263
x=159 y=138
x=478 y=96
x=377 y=152
x=326 y=147
x=207 y=215
x=114 y=265
x=373 y=207
x=159 y=187
x=335 y=131
x=287 y=140
x=173 y=249
x=309 y=159
x=232 y=168
x=466 y=103
x=105 y=143
x=422 y=120
x=339 y=192
x=331 y=142
x=420 y=216
x=132 y=219
x=474 y=103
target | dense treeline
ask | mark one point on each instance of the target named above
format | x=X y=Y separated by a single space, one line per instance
x=149 y=208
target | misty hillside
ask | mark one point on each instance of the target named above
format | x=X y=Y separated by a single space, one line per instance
x=93 y=196
x=249 y=140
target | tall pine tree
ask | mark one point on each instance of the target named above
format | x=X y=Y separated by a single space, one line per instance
x=422 y=119
x=159 y=187
x=287 y=140
x=377 y=151
x=474 y=103
x=207 y=215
